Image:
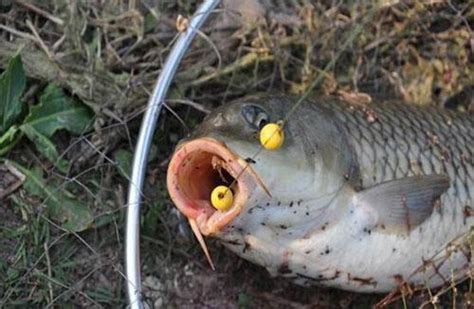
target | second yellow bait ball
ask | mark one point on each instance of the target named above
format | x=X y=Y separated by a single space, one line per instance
x=272 y=136
x=222 y=198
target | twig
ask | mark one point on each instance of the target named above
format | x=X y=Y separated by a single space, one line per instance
x=194 y=105
x=180 y=120
x=50 y=273
x=41 y=12
x=213 y=46
x=241 y=63
x=59 y=42
x=38 y=39
x=172 y=112
x=18 y=33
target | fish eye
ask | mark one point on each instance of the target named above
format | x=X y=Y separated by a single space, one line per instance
x=262 y=120
x=255 y=116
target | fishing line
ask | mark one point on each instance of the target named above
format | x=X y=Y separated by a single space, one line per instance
x=306 y=94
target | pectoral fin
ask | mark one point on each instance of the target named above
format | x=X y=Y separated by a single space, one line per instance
x=401 y=205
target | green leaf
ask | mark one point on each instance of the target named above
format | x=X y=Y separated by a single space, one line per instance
x=9 y=139
x=152 y=19
x=124 y=162
x=149 y=223
x=244 y=300
x=33 y=180
x=56 y=111
x=12 y=85
x=42 y=143
x=72 y=214
x=75 y=216
x=45 y=147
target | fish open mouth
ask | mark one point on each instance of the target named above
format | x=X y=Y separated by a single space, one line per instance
x=195 y=169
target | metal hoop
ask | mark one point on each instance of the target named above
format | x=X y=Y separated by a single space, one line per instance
x=155 y=103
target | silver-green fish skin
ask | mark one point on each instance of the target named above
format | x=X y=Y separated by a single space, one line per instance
x=364 y=197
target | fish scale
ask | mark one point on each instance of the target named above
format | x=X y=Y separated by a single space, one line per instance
x=438 y=141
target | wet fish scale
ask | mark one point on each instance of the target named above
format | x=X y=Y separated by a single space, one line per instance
x=428 y=138
x=436 y=145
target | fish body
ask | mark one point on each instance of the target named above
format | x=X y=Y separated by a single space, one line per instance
x=362 y=197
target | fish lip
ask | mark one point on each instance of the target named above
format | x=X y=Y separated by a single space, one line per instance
x=182 y=184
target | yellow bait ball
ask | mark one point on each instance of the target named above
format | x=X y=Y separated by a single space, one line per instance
x=271 y=136
x=222 y=198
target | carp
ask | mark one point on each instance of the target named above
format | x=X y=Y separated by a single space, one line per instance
x=361 y=197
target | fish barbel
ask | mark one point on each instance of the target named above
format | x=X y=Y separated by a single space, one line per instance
x=362 y=197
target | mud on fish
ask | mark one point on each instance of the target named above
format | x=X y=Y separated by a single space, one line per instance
x=359 y=197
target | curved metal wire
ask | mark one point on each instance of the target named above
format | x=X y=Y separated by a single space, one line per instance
x=155 y=103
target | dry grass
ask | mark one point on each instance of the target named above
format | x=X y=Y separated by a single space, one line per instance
x=109 y=53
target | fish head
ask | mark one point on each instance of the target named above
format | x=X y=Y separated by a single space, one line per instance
x=225 y=150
